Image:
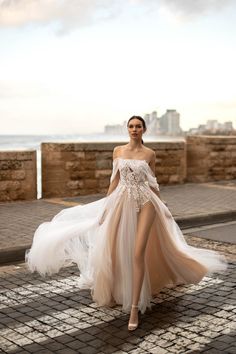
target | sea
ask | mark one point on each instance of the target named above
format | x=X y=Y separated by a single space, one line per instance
x=33 y=142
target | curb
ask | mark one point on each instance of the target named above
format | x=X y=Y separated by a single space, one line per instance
x=205 y=219
x=15 y=254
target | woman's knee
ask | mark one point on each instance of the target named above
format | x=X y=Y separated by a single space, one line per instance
x=139 y=254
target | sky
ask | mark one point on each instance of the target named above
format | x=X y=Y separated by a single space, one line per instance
x=73 y=66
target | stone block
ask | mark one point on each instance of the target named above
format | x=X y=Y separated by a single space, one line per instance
x=88 y=165
x=9 y=185
x=82 y=174
x=75 y=184
x=5 y=175
x=196 y=178
x=73 y=165
x=18 y=174
x=104 y=183
x=158 y=161
x=26 y=155
x=103 y=190
x=3 y=185
x=219 y=147
x=174 y=179
x=10 y=164
x=197 y=170
x=91 y=183
x=90 y=155
x=72 y=155
x=14 y=185
x=15 y=195
x=28 y=165
x=231 y=148
x=103 y=164
x=102 y=173
x=104 y=155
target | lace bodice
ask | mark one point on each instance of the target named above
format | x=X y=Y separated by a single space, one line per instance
x=136 y=178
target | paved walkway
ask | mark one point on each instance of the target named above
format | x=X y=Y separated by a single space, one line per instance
x=190 y=204
x=50 y=315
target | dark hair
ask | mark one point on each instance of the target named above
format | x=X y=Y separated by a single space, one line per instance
x=141 y=120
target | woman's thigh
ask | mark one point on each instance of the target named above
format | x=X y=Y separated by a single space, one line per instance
x=145 y=220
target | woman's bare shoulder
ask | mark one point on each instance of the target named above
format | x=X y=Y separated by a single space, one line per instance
x=150 y=153
x=117 y=150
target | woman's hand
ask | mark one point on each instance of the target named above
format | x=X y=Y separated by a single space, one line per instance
x=103 y=217
x=165 y=202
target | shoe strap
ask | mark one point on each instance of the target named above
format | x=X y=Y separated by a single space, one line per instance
x=134 y=306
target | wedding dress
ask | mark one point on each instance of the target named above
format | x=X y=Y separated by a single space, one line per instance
x=100 y=237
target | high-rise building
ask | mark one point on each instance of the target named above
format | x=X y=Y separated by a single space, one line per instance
x=228 y=126
x=212 y=125
x=169 y=122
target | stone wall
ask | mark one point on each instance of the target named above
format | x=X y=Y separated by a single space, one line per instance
x=211 y=158
x=71 y=169
x=18 y=175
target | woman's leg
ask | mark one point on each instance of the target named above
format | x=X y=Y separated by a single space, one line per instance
x=145 y=221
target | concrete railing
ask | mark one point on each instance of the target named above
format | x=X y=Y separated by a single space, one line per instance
x=18 y=175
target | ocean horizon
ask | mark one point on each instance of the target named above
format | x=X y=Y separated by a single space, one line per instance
x=21 y=141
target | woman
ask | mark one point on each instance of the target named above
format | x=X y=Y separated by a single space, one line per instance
x=126 y=245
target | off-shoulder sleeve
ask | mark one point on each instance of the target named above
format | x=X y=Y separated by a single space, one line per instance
x=152 y=181
x=114 y=169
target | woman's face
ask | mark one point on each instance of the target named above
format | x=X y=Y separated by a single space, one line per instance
x=135 y=129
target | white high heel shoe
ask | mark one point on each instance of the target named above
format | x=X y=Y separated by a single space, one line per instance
x=133 y=326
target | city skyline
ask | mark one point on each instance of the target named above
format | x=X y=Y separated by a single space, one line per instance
x=75 y=67
x=169 y=124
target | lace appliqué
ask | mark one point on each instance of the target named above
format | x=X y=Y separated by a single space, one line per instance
x=133 y=180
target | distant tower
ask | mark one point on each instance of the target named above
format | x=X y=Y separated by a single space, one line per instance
x=170 y=122
x=212 y=125
x=228 y=126
x=147 y=118
x=153 y=115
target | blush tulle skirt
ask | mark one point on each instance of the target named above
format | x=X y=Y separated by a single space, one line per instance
x=104 y=252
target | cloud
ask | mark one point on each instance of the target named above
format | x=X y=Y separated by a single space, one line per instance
x=66 y=13
x=69 y=14
x=192 y=8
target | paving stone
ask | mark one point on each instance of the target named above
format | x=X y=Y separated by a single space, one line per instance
x=54 y=346
x=210 y=350
x=107 y=349
x=97 y=343
x=33 y=348
x=219 y=345
x=76 y=344
x=172 y=326
x=88 y=350
x=66 y=351
x=137 y=351
x=158 y=350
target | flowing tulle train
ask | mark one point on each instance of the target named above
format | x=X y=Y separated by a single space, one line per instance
x=104 y=251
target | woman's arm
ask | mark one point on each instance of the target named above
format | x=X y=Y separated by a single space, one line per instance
x=152 y=166
x=112 y=187
x=115 y=181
